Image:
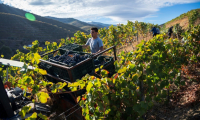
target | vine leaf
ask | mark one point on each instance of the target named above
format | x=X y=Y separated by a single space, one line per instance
x=24 y=110
x=43 y=116
x=43 y=97
x=32 y=117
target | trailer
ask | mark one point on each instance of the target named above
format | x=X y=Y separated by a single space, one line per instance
x=59 y=72
x=56 y=72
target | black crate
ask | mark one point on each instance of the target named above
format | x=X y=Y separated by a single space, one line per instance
x=46 y=67
x=73 y=72
x=107 y=62
x=76 y=73
x=103 y=60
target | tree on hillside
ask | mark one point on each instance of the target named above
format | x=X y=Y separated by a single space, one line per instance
x=6 y=51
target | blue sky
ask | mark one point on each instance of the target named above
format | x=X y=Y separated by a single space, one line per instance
x=168 y=13
x=108 y=11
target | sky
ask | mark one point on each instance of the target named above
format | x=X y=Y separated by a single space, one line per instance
x=108 y=11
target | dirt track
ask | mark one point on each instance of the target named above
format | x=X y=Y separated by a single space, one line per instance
x=132 y=46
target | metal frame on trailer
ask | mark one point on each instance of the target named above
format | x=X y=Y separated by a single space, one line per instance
x=68 y=69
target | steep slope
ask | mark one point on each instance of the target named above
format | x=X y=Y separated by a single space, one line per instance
x=15 y=27
x=8 y=9
x=17 y=31
x=191 y=17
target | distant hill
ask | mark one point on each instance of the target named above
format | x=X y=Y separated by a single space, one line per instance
x=15 y=27
x=83 y=25
x=17 y=31
x=8 y=9
x=101 y=25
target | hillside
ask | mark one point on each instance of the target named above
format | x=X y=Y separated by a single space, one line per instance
x=16 y=11
x=83 y=25
x=15 y=27
x=17 y=31
x=191 y=17
x=101 y=25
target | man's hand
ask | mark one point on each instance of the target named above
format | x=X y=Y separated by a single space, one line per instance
x=101 y=49
x=84 y=46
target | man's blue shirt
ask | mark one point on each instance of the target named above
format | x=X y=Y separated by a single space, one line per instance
x=94 y=44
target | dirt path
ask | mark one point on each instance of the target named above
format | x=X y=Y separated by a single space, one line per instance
x=132 y=46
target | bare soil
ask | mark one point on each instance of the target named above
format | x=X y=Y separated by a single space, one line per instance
x=183 y=23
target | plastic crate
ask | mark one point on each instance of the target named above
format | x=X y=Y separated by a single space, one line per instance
x=72 y=47
x=74 y=72
x=103 y=60
x=107 y=62
x=46 y=67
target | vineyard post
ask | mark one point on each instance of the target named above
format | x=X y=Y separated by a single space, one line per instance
x=115 y=52
x=7 y=71
x=168 y=96
x=142 y=90
x=142 y=94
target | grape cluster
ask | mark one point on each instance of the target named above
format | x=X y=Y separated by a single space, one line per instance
x=70 y=58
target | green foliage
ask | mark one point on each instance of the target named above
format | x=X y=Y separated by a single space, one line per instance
x=145 y=73
x=31 y=80
x=178 y=30
x=32 y=117
x=193 y=15
x=156 y=64
x=24 y=110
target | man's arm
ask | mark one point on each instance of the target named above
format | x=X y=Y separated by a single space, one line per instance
x=100 y=49
x=85 y=46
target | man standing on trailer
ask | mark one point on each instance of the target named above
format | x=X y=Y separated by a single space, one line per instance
x=95 y=43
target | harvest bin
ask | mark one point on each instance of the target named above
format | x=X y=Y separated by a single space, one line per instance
x=57 y=71
x=108 y=64
x=66 y=72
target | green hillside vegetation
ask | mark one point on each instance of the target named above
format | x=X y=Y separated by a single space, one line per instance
x=16 y=27
x=17 y=31
x=190 y=18
x=192 y=15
